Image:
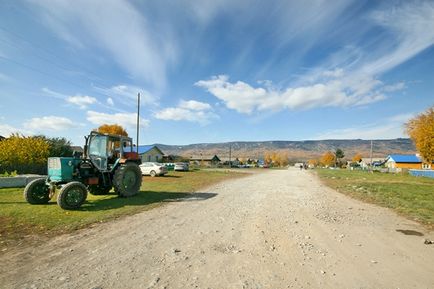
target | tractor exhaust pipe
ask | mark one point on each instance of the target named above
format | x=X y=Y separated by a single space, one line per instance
x=86 y=142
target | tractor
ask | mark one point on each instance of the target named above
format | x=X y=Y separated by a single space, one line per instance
x=108 y=161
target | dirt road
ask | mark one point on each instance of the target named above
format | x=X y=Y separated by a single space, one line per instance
x=277 y=229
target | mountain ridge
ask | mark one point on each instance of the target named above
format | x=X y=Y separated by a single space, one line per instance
x=296 y=150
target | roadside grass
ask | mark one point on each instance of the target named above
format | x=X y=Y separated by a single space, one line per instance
x=18 y=219
x=412 y=197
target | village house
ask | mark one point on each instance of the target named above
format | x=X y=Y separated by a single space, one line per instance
x=400 y=162
x=150 y=153
x=208 y=161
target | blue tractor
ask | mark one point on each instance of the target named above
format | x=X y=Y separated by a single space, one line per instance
x=108 y=161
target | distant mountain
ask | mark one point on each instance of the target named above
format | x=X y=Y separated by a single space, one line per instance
x=297 y=150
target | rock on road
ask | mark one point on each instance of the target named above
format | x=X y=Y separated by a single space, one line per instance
x=274 y=229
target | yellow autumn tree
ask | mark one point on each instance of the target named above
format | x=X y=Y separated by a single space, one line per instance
x=268 y=158
x=112 y=129
x=23 y=154
x=328 y=159
x=357 y=158
x=421 y=131
x=313 y=163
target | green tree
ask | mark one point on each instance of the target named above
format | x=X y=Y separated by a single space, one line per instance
x=59 y=146
x=421 y=131
x=339 y=154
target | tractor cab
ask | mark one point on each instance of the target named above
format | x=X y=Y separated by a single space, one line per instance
x=105 y=151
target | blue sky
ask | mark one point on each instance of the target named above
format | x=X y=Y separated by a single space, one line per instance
x=216 y=71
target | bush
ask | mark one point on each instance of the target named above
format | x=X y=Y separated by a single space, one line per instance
x=24 y=155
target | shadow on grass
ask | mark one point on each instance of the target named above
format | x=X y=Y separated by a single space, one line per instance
x=142 y=199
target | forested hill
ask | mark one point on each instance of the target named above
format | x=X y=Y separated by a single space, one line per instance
x=300 y=150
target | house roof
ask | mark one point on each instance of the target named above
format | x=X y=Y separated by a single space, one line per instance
x=205 y=158
x=144 y=149
x=404 y=158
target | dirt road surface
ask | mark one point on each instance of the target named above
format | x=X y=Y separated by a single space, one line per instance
x=277 y=229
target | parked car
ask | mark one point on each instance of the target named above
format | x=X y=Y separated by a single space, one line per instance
x=153 y=169
x=181 y=167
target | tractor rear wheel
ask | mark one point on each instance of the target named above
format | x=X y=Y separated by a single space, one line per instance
x=37 y=192
x=127 y=180
x=72 y=196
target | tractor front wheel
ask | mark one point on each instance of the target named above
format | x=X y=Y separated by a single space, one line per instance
x=72 y=196
x=127 y=180
x=37 y=192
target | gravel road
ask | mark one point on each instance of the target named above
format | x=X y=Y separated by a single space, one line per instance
x=274 y=229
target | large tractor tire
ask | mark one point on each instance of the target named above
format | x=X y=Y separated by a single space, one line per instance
x=127 y=180
x=37 y=192
x=99 y=190
x=72 y=196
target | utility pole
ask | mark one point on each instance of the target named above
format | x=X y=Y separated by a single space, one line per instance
x=370 y=155
x=138 y=121
x=230 y=155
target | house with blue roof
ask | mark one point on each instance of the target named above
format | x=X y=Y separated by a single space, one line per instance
x=399 y=162
x=150 y=153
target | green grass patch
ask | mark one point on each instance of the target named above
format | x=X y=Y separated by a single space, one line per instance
x=18 y=218
x=410 y=196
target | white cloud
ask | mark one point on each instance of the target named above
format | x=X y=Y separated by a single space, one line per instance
x=127 y=94
x=119 y=29
x=126 y=120
x=388 y=128
x=81 y=100
x=194 y=105
x=51 y=123
x=6 y=130
x=244 y=98
x=191 y=110
x=110 y=101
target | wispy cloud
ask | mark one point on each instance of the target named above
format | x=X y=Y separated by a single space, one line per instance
x=410 y=31
x=388 y=128
x=127 y=95
x=50 y=123
x=127 y=120
x=349 y=77
x=191 y=110
x=119 y=29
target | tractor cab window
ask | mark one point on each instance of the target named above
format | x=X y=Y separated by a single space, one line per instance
x=98 y=151
x=114 y=150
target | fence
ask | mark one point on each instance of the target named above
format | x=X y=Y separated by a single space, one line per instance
x=422 y=173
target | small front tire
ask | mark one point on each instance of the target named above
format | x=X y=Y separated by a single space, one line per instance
x=72 y=196
x=37 y=192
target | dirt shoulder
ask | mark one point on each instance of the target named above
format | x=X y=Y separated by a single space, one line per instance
x=277 y=229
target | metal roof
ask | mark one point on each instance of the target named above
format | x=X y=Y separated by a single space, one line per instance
x=144 y=149
x=405 y=158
